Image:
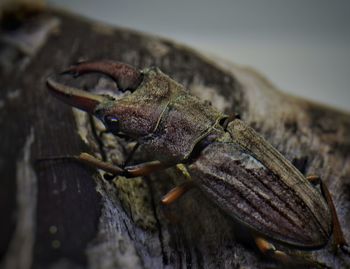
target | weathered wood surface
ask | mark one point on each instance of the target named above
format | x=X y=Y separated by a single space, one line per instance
x=62 y=215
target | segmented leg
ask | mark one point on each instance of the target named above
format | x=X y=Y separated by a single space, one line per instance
x=268 y=249
x=141 y=169
x=293 y=259
x=338 y=235
x=177 y=192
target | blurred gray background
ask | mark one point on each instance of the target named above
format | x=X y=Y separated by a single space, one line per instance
x=302 y=46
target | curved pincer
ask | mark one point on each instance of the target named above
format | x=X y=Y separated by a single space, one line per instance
x=75 y=97
x=126 y=76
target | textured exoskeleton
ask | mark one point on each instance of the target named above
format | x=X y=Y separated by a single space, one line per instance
x=232 y=164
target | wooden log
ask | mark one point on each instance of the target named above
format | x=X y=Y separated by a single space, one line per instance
x=60 y=214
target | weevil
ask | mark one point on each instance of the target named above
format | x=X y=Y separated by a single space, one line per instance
x=230 y=162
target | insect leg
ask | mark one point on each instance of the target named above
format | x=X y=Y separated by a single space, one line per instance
x=338 y=236
x=269 y=249
x=141 y=169
x=177 y=192
x=296 y=259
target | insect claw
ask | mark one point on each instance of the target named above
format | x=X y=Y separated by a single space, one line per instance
x=126 y=76
x=75 y=97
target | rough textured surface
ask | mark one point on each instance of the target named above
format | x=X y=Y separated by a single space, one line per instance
x=59 y=214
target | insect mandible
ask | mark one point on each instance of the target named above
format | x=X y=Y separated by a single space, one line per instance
x=231 y=163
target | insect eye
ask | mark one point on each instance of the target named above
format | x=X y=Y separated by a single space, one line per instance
x=111 y=123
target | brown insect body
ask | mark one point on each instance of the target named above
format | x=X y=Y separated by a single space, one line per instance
x=260 y=199
x=234 y=166
x=154 y=115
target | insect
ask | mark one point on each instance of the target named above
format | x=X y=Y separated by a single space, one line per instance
x=231 y=163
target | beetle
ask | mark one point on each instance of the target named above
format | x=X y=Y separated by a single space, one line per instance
x=229 y=161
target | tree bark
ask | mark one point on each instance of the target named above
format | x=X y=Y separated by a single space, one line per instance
x=60 y=214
